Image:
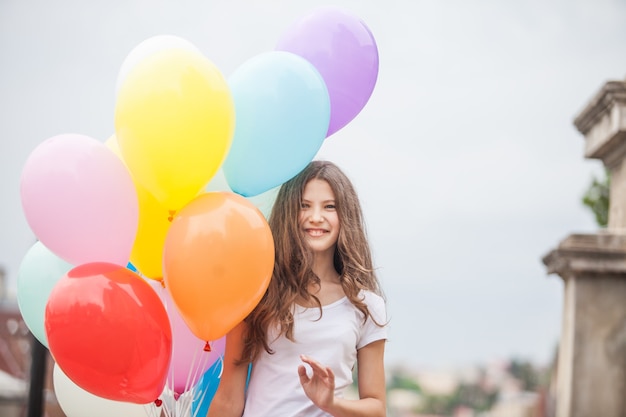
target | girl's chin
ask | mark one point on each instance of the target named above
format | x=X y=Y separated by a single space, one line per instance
x=321 y=248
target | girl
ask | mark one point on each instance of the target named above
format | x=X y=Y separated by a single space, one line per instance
x=322 y=313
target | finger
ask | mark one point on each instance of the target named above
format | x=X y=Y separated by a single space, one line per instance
x=304 y=378
x=331 y=377
x=315 y=365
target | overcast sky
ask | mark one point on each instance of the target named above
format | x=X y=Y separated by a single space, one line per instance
x=465 y=157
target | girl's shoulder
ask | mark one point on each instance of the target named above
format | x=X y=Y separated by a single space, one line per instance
x=370 y=297
x=375 y=304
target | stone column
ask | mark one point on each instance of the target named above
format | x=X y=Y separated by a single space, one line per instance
x=591 y=378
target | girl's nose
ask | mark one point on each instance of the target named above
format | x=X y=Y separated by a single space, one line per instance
x=316 y=216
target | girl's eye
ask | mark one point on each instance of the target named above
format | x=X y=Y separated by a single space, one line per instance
x=330 y=206
x=304 y=205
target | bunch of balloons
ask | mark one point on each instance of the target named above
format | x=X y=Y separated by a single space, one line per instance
x=153 y=244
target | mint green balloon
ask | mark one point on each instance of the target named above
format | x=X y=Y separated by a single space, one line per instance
x=265 y=201
x=39 y=272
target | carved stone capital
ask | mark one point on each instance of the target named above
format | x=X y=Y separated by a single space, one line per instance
x=602 y=253
x=603 y=123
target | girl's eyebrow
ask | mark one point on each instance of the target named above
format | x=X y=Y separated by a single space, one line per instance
x=304 y=200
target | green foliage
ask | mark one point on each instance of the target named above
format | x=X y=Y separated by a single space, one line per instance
x=472 y=396
x=597 y=199
x=442 y=405
x=399 y=381
x=526 y=373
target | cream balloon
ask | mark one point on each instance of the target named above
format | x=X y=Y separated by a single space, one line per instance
x=76 y=402
x=147 y=48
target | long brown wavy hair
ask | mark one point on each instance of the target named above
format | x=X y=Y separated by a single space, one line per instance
x=293 y=272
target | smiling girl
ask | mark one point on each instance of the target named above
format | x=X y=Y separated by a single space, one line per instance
x=322 y=314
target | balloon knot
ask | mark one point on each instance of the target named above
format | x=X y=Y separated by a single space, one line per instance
x=162 y=283
x=207 y=347
x=176 y=396
x=158 y=402
x=171 y=216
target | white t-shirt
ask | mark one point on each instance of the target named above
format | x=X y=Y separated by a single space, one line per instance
x=274 y=389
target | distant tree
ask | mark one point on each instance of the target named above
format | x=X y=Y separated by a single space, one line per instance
x=472 y=396
x=475 y=397
x=597 y=198
x=399 y=381
x=442 y=405
x=526 y=373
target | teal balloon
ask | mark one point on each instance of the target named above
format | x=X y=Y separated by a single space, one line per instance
x=39 y=272
x=282 y=113
x=205 y=390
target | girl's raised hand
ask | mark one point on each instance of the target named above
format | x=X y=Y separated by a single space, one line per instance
x=320 y=387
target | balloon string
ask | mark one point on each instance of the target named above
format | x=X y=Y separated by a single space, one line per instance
x=201 y=400
x=166 y=411
x=172 y=383
x=203 y=393
x=189 y=374
x=149 y=409
x=186 y=405
x=198 y=368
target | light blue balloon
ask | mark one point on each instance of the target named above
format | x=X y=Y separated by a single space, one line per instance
x=205 y=390
x=282 y=112
x=39 y=272
x=131 y=267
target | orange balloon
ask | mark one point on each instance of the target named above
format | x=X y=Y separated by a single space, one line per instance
x=218 y=259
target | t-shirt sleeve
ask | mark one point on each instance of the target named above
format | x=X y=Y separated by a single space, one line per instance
x=370 y=331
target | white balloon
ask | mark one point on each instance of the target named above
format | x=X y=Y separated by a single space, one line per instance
x=76 y=402
x=148 y=47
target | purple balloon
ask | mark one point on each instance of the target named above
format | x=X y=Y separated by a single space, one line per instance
x=342 y=48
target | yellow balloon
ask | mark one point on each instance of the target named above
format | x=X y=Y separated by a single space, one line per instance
x=147 y=252
x=174 y=122
x=154 y=222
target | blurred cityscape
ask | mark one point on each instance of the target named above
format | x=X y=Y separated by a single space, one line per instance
x=511 y=388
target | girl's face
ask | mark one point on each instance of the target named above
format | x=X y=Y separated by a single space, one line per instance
x=318 y=216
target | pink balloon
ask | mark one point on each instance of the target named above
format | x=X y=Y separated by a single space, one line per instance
x=79 y=200
x=189 y=359
x=342 y=48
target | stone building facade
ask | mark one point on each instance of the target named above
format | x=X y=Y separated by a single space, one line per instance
x=591 y=379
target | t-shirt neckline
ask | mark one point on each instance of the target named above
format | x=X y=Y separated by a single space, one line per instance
x=325 y=306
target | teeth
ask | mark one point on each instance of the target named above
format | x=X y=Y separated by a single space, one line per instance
x=316 y=232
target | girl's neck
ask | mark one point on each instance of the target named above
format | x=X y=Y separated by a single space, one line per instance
x=324 y=268
x=329 y=288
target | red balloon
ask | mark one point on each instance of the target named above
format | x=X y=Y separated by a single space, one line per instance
x=109 y=332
